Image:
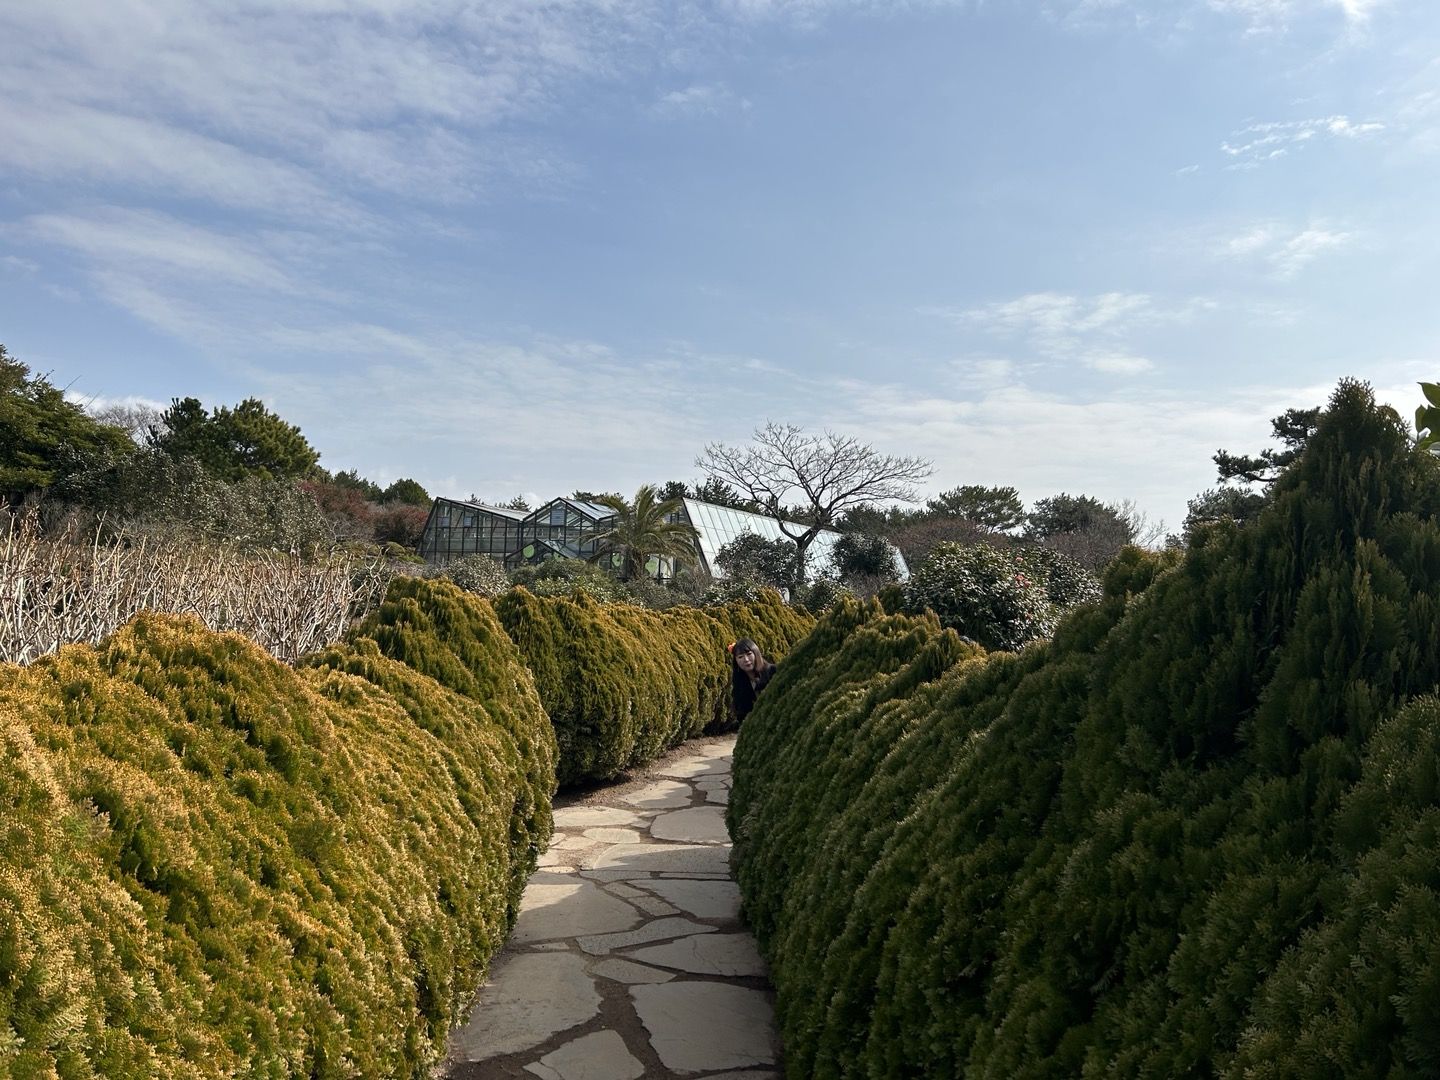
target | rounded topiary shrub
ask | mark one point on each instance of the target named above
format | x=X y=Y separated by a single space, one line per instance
x=1066 y=582
x=561 y=577
x=822 y=594
x=478 y=574
x=985 y=594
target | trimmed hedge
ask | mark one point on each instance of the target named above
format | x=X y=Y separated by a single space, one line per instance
x=623 y=684
x=216 y=865
x=1198 y=833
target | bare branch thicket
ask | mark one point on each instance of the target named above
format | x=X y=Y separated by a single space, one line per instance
x=67 y=588
x=1144 y=532
x=830 y=472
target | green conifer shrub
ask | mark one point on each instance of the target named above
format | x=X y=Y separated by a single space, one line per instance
x=218 y=865
x=622 y=684
x=1196 y=833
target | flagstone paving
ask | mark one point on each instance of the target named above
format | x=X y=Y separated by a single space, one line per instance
x=628 y=960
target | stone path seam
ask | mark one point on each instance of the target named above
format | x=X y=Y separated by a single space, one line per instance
x=628 y=960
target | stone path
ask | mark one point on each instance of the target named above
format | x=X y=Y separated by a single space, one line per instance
x=628 y=960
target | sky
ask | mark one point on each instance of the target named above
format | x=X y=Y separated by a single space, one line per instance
x=533 y=246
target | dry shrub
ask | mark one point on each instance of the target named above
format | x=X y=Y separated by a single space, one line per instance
x=66 y=587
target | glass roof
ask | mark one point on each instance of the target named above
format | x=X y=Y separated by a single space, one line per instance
x=500 y=511
x=593 y=511
x=719 y=525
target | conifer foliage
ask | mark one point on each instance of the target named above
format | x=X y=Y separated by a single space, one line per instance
x=623 y=684
x=213 y=864
x=1197 y=833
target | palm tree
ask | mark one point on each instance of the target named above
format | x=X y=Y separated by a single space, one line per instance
x=640 y=529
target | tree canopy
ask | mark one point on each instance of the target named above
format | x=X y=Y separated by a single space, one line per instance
x=765 y=561
x=996 y=508
x=44 y=439
x=1293 y=427
x=406 y=491
x=814 y=479
x=641 y=528
x=247 y=440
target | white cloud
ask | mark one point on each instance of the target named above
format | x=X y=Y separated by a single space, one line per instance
x=1255 y=144
x=1285 y=249
x=1074 y=329
x=143 y=241
x=710 y=99
x=1119 y=364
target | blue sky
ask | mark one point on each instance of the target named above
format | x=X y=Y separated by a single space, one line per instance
x=514 y=247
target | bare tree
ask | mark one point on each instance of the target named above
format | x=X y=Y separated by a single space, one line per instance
x=135 y=418
x=818 y=476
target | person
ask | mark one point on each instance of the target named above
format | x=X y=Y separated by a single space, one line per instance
x=749 y=674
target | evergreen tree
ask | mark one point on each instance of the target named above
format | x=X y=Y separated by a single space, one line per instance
x=996 y=508
x=47 y=441
x=1194 y=834
x=235 y=442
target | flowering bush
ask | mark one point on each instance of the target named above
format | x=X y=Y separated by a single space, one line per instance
x=1067 y=582
x=985 y=594
x=562 y=577
x=479 y=574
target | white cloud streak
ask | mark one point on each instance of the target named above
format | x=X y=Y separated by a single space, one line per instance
x=1285 y=249
x=1256 y=144
x=1090 y=331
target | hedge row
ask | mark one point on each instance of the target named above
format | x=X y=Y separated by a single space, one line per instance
x=622 y=684
x=1198 y=833
x=213 y=864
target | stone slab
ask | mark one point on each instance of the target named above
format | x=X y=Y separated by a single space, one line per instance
x=696 y=825
x=570 y=910
x=707 y=1026
x=705 y=899
x=706 y=954
x=587 y=817
x=720 y=796
x=662 y=794
x=609 y=876
x=696 y=765
x=641 y=860
x=597 y=1056
x=654 y=906
x=658 y=930
x=613 y=836
x=554 y=877
x=623 y=971
x=530 y=998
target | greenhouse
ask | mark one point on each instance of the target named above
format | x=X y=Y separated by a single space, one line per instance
x=567 y=528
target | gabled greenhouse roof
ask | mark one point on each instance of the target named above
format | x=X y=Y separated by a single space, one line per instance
x=717 y=526
x=593 y=511
x=498 y=511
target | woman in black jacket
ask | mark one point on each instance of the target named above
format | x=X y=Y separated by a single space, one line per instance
x=749 y=672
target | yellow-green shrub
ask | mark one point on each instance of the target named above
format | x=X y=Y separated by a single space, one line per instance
x=1195 y=834
x=622 y=684
x=217 y=865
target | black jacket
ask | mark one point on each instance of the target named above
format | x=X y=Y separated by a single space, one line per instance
x=742 y=693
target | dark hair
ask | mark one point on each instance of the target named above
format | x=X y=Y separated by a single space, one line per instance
x=745 y=645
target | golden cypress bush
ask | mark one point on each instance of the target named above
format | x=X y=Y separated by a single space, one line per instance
x=1197 y=833
x=622 y=684
x=218 y=865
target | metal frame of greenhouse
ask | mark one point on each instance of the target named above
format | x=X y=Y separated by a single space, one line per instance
x=567 y=528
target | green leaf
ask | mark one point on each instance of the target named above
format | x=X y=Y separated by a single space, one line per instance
x=1432 y=393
